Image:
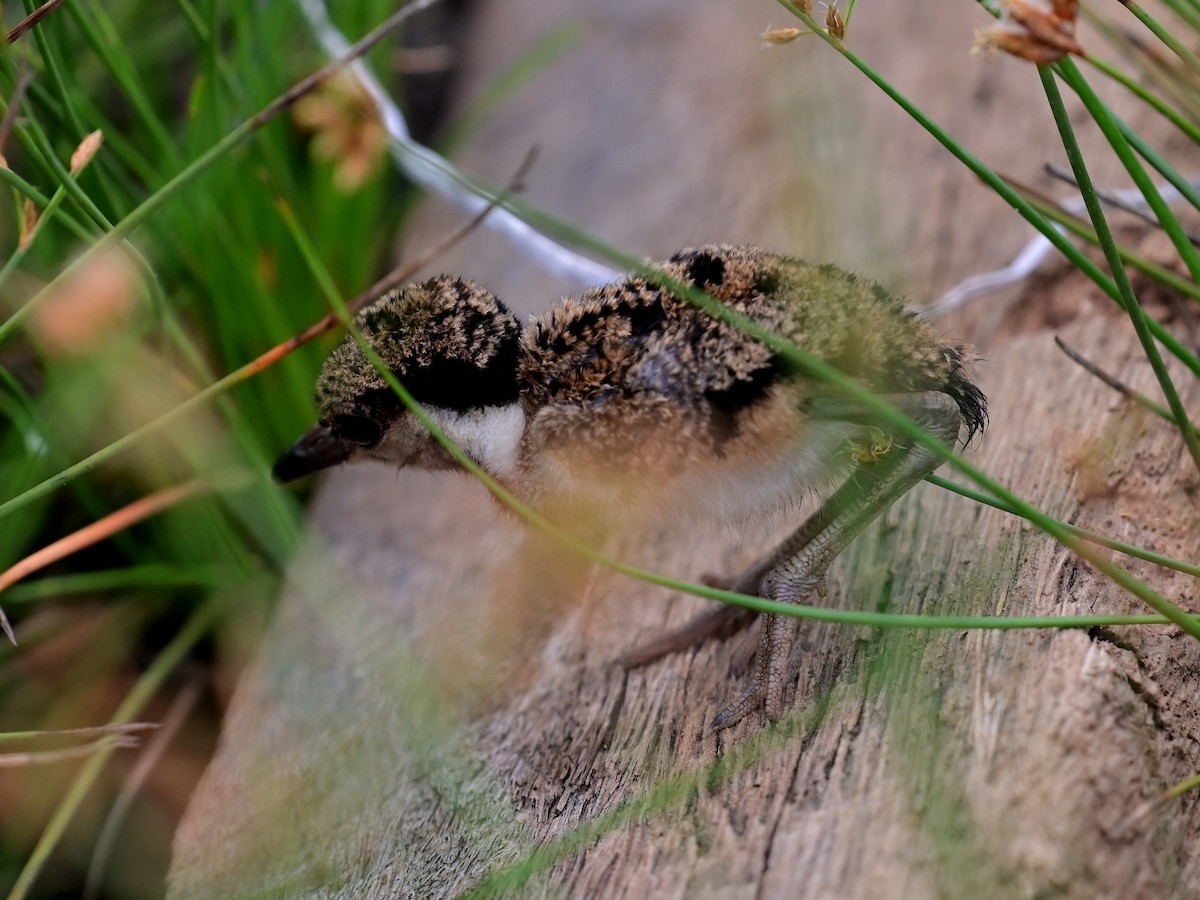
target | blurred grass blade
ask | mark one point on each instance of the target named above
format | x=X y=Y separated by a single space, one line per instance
x=93 y=732
x=1169 y=40
x=992 y=180
x=156 y=201
x=1116 y=136
x=176 y=715
x=53 y=757
x=1182 y=122
x=123 y=518
x=200 y=622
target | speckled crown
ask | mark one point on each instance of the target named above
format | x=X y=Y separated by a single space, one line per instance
x=449 y=341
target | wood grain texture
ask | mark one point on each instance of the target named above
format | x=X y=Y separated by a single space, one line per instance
x=436 y=697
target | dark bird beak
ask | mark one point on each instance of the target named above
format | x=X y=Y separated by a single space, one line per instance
x=315 y=450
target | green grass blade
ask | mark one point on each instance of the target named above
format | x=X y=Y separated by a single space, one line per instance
x=1130 y=303
x=1159 y=162
x=1093 y=537
x=996 y=183
x=1115 y=133
x=1184 y=124
x=1078 y=227
x=98 y=30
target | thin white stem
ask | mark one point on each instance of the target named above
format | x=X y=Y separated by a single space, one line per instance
x=1039 y=247
x=439 y=176
x=1023 y=265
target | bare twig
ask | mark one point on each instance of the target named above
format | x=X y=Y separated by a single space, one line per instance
x=119 y=231
x=347 y=57
x=1119 y=386
x=32 y=19
x=397 y=276
x=1121 y=199
x=217 y=387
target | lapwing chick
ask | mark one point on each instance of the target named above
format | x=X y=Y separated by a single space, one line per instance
x=631 y=400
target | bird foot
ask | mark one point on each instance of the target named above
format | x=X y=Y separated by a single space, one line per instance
x=767 y=657
x=766 y=687
x=771 y=658
x=740 y=708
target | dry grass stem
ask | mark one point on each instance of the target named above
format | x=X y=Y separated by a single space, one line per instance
x=101 y=529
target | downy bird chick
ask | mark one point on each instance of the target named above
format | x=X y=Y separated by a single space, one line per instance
x=632 y=398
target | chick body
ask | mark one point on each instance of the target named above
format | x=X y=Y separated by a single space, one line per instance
x=631 y=401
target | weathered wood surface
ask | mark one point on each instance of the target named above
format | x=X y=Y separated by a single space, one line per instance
x=437 y=696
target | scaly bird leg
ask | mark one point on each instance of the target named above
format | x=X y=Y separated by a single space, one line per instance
x=727 y=619
x=870 y=490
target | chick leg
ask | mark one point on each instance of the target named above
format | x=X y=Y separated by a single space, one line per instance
x=870 y=490
x=726 y=619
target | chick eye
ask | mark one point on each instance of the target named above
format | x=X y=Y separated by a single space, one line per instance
x=356 y=429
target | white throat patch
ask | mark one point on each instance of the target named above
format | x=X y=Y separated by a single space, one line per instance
x=490 y=435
